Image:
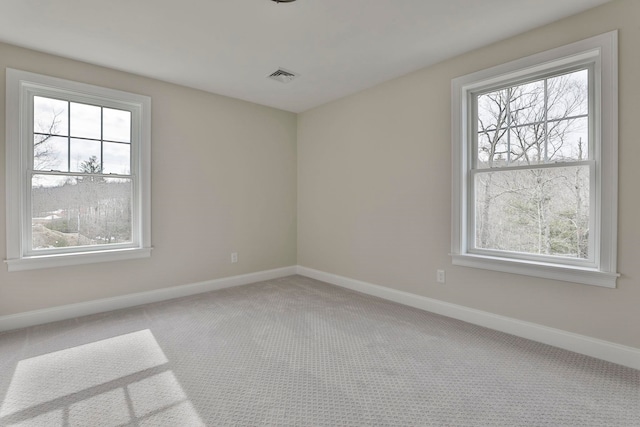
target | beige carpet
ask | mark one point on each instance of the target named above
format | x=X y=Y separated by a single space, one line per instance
x=299 y=352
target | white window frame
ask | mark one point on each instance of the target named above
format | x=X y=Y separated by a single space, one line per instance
x=600 y=53
x=21 y=87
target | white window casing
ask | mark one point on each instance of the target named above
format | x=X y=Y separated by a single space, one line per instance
x=21 y=88
x=599 y=55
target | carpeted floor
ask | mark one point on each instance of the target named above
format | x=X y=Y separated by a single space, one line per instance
x=295 y=351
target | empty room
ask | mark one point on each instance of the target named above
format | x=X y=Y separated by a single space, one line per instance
x=319 y=213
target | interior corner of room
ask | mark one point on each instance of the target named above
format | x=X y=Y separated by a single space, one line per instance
x=355 y=192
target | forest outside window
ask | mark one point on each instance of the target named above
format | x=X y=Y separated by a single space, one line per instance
x=535 y=165
x=77 y=173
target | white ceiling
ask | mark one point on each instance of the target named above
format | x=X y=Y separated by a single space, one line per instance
x=229 y=46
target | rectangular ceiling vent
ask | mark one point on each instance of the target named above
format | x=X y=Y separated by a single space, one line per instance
x=282 y=75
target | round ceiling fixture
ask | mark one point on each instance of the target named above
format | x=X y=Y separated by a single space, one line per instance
x=283 y=1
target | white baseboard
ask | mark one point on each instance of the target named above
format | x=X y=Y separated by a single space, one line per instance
x=605 y=350
x=37 y=317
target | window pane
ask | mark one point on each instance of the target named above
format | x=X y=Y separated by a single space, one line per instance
x=527 y=145
x=492 y=110
x=568 y=95
x=117 y=125
x=536 y=211
x=568 y=140
x=50 y=116
x=85 y=121
x=80 y=211
x=85 y=156
x=116 y=158
x=527 y=103
x=50 y=153
x=492 y=149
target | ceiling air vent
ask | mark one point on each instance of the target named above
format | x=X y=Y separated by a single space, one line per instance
x=282 y=75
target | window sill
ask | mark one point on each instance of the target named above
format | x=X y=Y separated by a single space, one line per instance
x=61 y=260
x=567 y=273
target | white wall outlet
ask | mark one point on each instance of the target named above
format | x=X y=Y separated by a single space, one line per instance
x=440 y=276
x=234 y=256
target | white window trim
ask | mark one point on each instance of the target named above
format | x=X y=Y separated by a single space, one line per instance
x=603 y=51
x=18 y=82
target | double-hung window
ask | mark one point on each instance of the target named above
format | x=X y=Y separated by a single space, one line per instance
x=77 y=173
x=535 y=165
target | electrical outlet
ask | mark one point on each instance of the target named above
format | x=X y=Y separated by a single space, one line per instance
x=440 y=276
x=234 y=256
